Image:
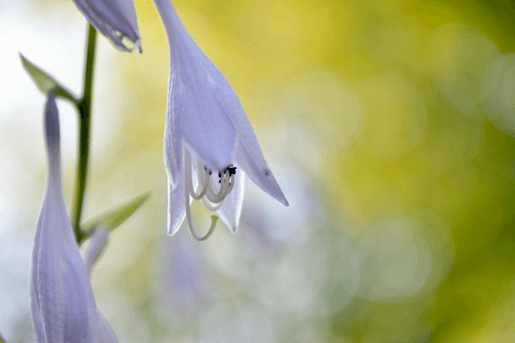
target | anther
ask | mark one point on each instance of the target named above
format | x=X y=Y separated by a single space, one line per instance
x=231 y=170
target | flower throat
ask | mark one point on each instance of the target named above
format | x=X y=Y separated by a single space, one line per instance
x=212 y=199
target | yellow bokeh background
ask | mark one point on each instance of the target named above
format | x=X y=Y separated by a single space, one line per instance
x=389 y=125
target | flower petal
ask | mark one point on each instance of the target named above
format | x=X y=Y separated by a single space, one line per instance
x=62 y=303
x=231 y=209
x=213 y=122
x=173 y=146
x=176 y=207
x=96 y=245
x=203 y=118
x=249 y=158
x=115 y=19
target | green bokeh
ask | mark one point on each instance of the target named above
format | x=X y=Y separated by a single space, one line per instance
x=392 y=94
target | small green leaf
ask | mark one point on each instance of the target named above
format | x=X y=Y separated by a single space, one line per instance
x=2 y=340
x=114 y=218
x=44 y=82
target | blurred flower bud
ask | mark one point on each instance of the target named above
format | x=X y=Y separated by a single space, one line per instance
x=115 y=19
x=61 y=300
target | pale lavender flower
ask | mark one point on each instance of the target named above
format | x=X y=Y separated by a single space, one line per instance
x=208 y=137
x=115 y=19
x=61 y=300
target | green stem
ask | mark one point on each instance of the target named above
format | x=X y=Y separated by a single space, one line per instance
x=84 y=107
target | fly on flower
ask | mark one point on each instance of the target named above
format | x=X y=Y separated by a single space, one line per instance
x=61 y=300
x=208 y=137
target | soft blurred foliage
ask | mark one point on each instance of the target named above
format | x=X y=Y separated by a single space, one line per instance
x=389 y=125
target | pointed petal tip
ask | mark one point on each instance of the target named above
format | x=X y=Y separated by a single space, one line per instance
x=233 y=228
x=171 y=234
x=96 y=247
x=137 y=46
x=115 y=19
x=171 y=225
x=176 y=207
x=279 y=196
x=276 y=192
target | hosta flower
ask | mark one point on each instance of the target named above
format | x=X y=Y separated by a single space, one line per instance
x=115 y=19
x=209 y=140
x=61 y=300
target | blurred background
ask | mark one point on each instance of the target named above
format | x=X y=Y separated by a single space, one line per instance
x=389 y=126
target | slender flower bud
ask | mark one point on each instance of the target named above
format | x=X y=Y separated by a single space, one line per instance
x=115 y=19
x=96 y=246
x=208 y=140
x=61 y=300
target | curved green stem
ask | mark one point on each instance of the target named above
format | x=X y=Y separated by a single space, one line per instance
x=84 y=107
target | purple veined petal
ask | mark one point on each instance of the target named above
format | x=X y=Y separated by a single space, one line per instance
x=205 y=126
x=61 y=300
x=205 y=116
x=203 y=120
x=176 y=206
x=128 y=12
x=212 y=120
x=115 y=19
x=62 y=303
x=47 y=308
x=251 y=161
x=173 y=146
x=80 y=313
x=231 y=209
x=247 y=152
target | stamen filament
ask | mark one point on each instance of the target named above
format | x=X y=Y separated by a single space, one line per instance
x=214 y=218
x=188 y=180
x=215 y=196
x=211 y=198
x=210 y=207
x=231 y=185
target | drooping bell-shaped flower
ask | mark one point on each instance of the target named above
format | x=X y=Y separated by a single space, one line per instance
x=115 y=19
x=209 y=140
x=61 y=300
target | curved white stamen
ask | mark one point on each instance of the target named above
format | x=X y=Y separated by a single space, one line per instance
x=188 y=180
x=211 y=194
x=228 y=185
x=216 y=196
x=187 y=176
x=212 y=199
x=210 y=207
x=231 y=184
